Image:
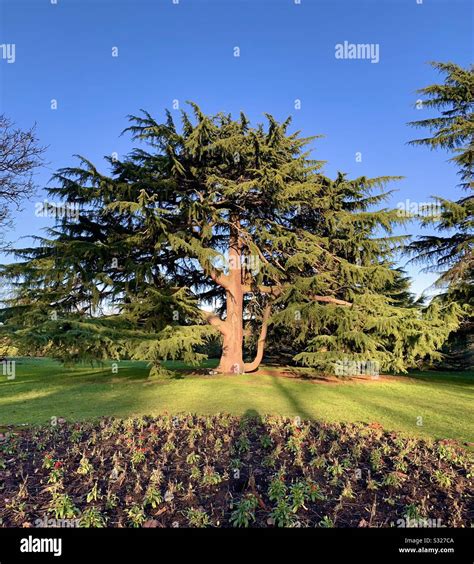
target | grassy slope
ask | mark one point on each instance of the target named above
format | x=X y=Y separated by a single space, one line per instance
x=43 y=389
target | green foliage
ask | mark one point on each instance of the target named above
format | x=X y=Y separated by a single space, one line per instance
x=133 y=274
x=244 y=514
x=198 y=518
x=62 y=506
x=451 y=255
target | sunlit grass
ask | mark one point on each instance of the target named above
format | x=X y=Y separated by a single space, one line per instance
x=430 y=404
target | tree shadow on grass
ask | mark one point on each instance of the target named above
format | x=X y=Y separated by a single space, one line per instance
x=455 y=379
x=252 y=415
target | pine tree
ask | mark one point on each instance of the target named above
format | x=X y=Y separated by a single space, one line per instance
x=451 y=252
x=451 y=255
x=218 y=228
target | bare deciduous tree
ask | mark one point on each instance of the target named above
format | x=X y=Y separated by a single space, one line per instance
x=20 y=154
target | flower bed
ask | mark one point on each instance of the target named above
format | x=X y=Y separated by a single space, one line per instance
x=224 y=471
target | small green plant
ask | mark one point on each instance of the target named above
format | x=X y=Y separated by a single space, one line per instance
x=193 y=458
x=445 y=452
x=48 y=461
x=138 y=456
x=266 y=441
x=442 y=478
x=336 y=470
x=218 y=445
x=85 y=467
x=376 y=460
x=412 y=512
x=136 y=515
x=326 y=522
x=313 y=448
x=294 y=444
x=153 y=497
x=243 y=444
x=111 y=500
x=93 y=495
x=211 y=477
x=92 y=518
x=62 y=507
x=244 y=513
x=269 y=461
x=299 y=493
x=318 y=462
x=169 y=446
x=157 y=477
x=315 y=493
x=393 y=480
x=195 y=473
x=277 y=489
x=198 y=518
x=347 y=492
x=18 y=508
x=76 y=436
x=372 y=484
x=401 y=465
x=57 y=473
x=282 y=515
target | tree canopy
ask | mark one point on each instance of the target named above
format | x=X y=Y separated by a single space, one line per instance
x=218 y=227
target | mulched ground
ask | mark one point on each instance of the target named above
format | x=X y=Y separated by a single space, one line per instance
x=225 y=471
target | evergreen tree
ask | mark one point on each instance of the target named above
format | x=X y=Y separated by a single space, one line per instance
x=450 y=252
x=218 y=228
x=451 y=255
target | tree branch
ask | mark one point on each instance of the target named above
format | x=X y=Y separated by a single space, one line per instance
x=252 y=366
x=220 y=279
x=330 y=300
x=214 y=320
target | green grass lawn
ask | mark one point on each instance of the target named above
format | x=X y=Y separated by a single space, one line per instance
x=44 y=389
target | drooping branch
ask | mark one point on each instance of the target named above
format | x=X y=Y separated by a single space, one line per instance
x=277 y=290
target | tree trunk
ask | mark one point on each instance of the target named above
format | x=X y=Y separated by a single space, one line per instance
x=232 y=329
x=232 y=332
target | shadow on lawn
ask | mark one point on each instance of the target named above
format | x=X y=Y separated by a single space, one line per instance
x=458 y=379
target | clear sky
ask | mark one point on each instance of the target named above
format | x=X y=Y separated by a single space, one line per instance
x=185 y=51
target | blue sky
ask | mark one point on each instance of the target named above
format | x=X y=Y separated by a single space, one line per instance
x=185 y=51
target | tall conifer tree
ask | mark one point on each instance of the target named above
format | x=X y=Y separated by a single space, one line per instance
x=219 y=227
x=451 y=252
